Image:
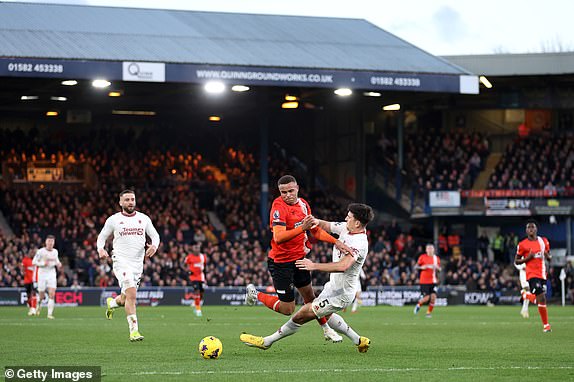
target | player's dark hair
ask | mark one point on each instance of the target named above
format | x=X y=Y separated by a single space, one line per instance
x=127 y=192
x=285 y=179
x=532 y=221
x=361 y=212
x=50 y=237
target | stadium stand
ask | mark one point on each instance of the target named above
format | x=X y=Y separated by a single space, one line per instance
x=178 y=187
x=537 y=162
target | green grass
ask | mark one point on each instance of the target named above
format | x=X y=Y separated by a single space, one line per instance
x=458 y=343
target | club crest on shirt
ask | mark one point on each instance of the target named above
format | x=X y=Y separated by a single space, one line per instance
x=276 y=215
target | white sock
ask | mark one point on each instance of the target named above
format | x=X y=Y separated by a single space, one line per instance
x=337 y=323
x=50 y=306
x=133 y=323
x=355 y=306
x=287 y=329
x=525 y=304
x=114 y=304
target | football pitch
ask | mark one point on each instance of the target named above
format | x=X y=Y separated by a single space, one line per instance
x=458 y=343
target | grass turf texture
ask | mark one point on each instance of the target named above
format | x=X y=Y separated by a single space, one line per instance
x=458 y=343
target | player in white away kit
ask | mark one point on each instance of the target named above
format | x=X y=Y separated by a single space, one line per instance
x=129 y=228
x=46 y=261
x=525 y=288
x=340 y=291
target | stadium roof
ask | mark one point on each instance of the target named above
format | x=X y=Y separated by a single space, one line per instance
x=284 y=50
x=530 y=64
x=110 y=33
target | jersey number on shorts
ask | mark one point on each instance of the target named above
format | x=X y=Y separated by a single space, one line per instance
x=323 y=303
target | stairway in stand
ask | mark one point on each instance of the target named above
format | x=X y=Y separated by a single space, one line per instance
x=481 y=181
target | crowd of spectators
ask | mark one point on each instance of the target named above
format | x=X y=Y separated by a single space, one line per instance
x=186 y=187
x=445 y=161
x=537 y=162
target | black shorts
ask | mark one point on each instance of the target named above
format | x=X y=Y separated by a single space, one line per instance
x=30 y=289
x=197 y=286
x=537 y=286
x=428 y=289
x=286 y=276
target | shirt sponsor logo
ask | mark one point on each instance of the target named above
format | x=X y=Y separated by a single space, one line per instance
x=131 y=231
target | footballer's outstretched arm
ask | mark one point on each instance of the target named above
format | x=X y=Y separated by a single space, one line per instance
x=340 y=266
x=323 y=224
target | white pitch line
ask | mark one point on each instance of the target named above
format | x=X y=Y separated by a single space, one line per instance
x=377 y=370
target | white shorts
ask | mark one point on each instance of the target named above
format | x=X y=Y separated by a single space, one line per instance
x=46 y=281
x=331 y=300
x=128 y=277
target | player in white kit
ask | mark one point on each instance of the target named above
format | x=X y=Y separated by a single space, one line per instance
x=46 y=260
x=525 y=287
x=129 y=228
x=340 y=291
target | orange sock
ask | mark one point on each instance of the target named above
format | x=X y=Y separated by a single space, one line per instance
x=529 y=296
x=431 y=307
x=34 y=302
x=272 y=302
x=197 y=303
x=543 y=313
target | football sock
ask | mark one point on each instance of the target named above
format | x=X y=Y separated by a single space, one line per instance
x=287 y=329
x=336 y=322
x=355 y=306
x=133 y=323
x=50 y=306
x=431 y=307
x=543 y=313
x=34 y=301
x=197 y=301
x=529 y=296
x=272 y=302
x=114 y=304
x=525 y=304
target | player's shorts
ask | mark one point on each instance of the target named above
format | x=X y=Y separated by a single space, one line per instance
x=30 y=289
x=523 y=282
x=286 y=276
x=537 y=286
x=428 y=289
x=127 y=277
x=197 y=286
x=331 y=300
x=46 y=281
